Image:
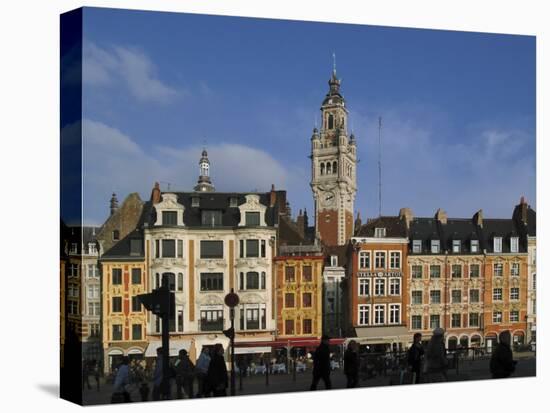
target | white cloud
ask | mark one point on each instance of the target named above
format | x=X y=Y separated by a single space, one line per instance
x=130 y=67
x=113 y=162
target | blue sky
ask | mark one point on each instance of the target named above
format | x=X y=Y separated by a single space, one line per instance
x=458 y=109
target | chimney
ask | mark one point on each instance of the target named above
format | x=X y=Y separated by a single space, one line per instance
x=306 y=222
x=300 y=223
x=407 y=215
x=478 y=218
x=272 y=196
x=155 y=194
x=441 y=216
x=114 y=204
x=523 y=210
x=288 y=211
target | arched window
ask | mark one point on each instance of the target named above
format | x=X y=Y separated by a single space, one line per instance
x=328 y=168
x=330 y=121
x=335 y=167
x=322 y=168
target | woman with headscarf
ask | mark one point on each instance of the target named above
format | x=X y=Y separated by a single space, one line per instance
x=436 y=357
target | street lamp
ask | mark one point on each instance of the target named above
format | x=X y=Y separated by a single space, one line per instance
x=232 y=300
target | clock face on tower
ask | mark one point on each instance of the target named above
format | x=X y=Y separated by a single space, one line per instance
x=328 y=199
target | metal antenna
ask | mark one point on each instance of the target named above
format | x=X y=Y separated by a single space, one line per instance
x=379 y=166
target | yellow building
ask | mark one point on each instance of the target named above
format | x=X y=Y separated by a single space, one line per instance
x=299 y=288
x=124 y=318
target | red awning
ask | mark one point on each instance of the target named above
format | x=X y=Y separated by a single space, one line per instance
x=294 y=342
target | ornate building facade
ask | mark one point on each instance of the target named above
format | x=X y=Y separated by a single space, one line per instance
x=299 y=282
x=333 y=169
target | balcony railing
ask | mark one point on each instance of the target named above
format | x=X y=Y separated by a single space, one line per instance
x=215 y=325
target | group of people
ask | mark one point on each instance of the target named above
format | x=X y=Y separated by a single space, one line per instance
x=428 y=365
x=210 y=373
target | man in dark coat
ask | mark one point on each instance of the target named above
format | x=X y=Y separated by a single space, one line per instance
x=351 y=365
x=217 y=372
x=502 y=362
x=321 y=365
x=415 y=356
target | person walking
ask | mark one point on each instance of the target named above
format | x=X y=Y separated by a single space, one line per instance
x=321 y=365
x=184 y=375
x=502 y=363
x=415 y=357
x=161 y=387
x=201 y=371
x=217 y=373
x=122 y=379
x=436 y=357
x=86 y=370
x=351 y=365
x=95 y=372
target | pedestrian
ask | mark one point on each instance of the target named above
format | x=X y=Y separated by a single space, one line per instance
x=415 y=357
x=95 y=372
x=436 y=357
x=217 y=373
x=502 y=363
x=201 y=372
x=184 y=375
x=141 y=379
x=86 y=374
x=351 y=365
x=122 y=379
x=161 y=386
x=321 y=365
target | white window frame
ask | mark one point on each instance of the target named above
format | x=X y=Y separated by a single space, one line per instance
x=435 y=246
x=439 y=302
x=379 y=232
x=497 y=292
x=380 y=255
x=377 y=284
x=514 y=269
x=395 y=256
x=497 y=317
x=459 y=320
x=395 y=283
x=474 y=246
x=392 y=308
x=470 y=270
x=421 y=271
x=363 y=309
x=514 y=244
x=456 y=246
x=417 y=246
x=478 y=320
x=501 y=269
x=362 y=256
x=381 y=307
x=510 y=316
x=470 y=296
x=459 y=297
x=421 y=297
x=514 y=297
x=430 y=320
x=364 y=287
x=333 y=260
x=497 y=244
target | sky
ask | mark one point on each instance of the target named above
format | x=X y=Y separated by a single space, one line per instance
x=457 y=108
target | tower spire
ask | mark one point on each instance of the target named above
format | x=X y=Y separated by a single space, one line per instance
x=334 y=63
x=204 y=184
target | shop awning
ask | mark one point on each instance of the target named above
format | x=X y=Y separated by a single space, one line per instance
x=175 y=347
x=381 y=334
x=252 y=350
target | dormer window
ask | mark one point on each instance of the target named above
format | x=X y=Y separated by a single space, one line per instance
x=417 y=246
x=474 y=246
x=435 y=246
x=379 y=232
x=252 y=219
x=456 y=246
x=211 y=218
x=195 y=201
x=116 y=235
x=333 y=261
x=74 y=248
x=233 y=202
x=497 y=244
x=169 y=218
x=135 y=247
x=514 y=244
x=92 y=249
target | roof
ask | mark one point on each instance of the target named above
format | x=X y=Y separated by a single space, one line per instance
x=395 y=227
x=341 y=251
x=219 y=201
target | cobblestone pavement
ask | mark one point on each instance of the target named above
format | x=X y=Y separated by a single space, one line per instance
x=282 y=383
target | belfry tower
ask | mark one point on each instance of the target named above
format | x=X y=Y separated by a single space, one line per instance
x=333 y=169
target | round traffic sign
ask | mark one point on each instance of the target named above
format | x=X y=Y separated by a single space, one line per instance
x=231 y=299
